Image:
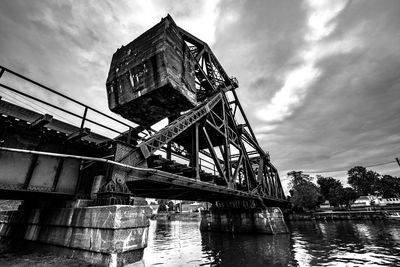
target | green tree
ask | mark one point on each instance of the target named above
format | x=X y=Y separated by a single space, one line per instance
x=305 y=195
x=347 y=196
x=335 y=196
x=330 y=189
x=363 y=181
x=297 y=178
x=389 y=186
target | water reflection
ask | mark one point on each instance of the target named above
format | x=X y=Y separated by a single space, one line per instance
x=223 y=249
x=345 y=243
x=177 y=243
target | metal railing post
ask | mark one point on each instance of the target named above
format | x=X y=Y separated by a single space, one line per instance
x=84 y=117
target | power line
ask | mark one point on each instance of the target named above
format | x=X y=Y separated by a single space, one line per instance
x=342 y=170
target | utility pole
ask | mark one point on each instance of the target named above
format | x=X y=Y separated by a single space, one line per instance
x=398 y=161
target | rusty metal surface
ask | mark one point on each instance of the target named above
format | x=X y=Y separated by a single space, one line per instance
x=152 y=77
x=23 y=114
x=24 y=175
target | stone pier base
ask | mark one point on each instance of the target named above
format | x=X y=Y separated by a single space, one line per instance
x=101 y=235
x=262 y=221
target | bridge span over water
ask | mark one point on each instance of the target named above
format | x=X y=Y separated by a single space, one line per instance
x=184 y=135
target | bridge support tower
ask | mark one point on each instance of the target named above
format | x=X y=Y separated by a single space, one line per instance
x=243 y=217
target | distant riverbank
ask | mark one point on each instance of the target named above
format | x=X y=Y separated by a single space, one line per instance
x=340 y=215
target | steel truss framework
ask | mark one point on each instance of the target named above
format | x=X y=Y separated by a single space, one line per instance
x=211 y=129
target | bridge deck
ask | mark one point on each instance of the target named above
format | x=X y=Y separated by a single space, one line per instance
x=151 y=183
x=159 y=184
x=11 y=110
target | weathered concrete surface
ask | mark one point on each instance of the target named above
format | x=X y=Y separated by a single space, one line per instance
x=104 y=235
x=263 y=221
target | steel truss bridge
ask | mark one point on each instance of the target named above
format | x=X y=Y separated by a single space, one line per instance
x=54 y=146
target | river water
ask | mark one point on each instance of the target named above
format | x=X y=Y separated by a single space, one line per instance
x=332 y=243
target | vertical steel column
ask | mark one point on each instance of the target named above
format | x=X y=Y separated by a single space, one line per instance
x=33 y=164
x=59 y=168
x=195 y=151
x=260 y=169
x=169 y=151
x=227 y=154
x=2 y=72
x=129 y=137
x=169 y=145
x=84 y=117
x=214 y=155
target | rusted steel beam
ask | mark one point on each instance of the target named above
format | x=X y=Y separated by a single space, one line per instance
x=60 y=165
x=195 y=151
x=84 y=118
x=41 y=122
x=227 y=149
x=214 y=155
x=239 y=163
x=200 y=54
x=33 y=163
x=206 y=188
x=168 y=133
x=260 y=175
x=58 y=173
x=79 y=134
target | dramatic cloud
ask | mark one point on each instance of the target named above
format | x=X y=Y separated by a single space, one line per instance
x=68 y=45
x=319 y=80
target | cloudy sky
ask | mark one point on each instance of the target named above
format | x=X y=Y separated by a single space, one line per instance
x=319 y=80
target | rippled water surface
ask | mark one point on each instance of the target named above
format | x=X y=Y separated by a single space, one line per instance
x=340 y=243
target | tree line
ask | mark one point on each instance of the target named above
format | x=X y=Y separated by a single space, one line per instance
x=307 y=195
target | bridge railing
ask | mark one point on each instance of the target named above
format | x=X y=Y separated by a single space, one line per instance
x=18 y=89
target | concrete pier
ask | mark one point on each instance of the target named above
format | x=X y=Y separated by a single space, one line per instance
x=262 y=221
x=102 y=235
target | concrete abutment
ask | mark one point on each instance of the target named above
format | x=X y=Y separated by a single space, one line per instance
x=113 y=235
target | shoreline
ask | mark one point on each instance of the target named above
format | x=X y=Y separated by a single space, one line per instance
x=340 y=215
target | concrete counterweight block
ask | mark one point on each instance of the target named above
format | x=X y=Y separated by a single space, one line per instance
x=262 y=221
x=102 y=235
